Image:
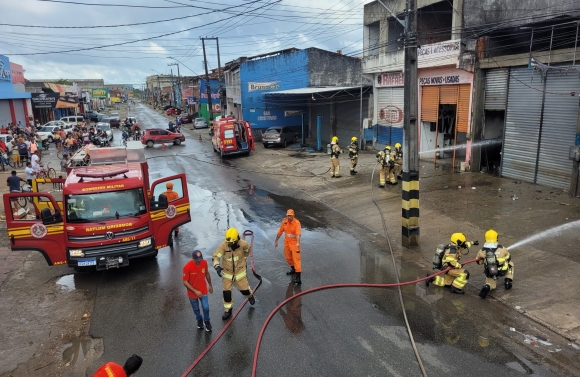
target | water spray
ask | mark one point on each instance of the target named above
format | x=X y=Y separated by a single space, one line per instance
x=549 y=232
x=463 y=146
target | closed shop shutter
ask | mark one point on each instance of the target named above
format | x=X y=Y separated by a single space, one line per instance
x=396 y=135
x=348 y=119
x=390 y=106
x=384 y=135
x=19 y=111
x=522 y=126
x=5 y=116
x=463 y=107
x=429 y=103
x=496 y=89
x=558 y=130
x=448 y=94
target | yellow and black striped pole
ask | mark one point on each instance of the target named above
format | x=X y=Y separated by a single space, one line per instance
x=410 y=211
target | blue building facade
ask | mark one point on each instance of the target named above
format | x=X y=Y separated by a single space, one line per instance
x=288 y=70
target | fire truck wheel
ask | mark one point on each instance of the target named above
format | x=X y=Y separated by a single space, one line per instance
x=150 y=144
x=177 y=141
x=154 y=255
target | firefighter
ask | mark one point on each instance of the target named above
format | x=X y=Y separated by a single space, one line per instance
x=291 y=226
x=497 y=263
x=112 y=369
x=335 y=151
x=384 y=160
x=353 y=154
x=457 y=277
x=397 y=156
x=232 y=254
x=171 y=196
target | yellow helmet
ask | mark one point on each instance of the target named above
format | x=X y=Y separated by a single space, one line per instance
x=491 y=236
x=398 y=145
x=353 y=138
x=232 y=235
x=458 y=238
x=388 y=147
x=335 y=139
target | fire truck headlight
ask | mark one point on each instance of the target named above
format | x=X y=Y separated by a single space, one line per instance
x=145 y=242
x=76 y=253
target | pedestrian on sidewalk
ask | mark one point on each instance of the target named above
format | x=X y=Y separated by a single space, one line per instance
x=335 y=151
x=457 y=277
x=63 y=164
x=195 y=275
x=291 y=227
x=353 y=154
x=30 y=173
x=112 y=369
x=229 y=261
x=497 y=263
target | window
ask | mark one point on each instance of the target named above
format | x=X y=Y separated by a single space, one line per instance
x=105 y=205
x=273 y=131
x=228 y=134
x=163 y=133
x=25 y=208
x=161 y=188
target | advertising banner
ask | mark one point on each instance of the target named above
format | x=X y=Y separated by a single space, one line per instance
x=187 y=92
x=67 y=102
x=191 y=101
x=5 y=74
x=44 y=100
x=17 y=73
x=390 y=79
x=99 y=93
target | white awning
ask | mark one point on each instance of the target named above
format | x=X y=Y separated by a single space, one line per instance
x=314 y=90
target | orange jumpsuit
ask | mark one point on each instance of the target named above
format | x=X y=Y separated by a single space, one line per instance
x=171 y=196
x=291 y=251
x=110 y=369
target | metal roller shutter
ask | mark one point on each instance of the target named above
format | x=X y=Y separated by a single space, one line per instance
x=390 y=106
x=496 y=89
x=384 y=135
x=448 y=94
x=348 y=119
x=463 y=107
x=396 y=135
x=429 y=103
x=522 y=125
x=19 y=111
x=558 y=130
x=5 y=116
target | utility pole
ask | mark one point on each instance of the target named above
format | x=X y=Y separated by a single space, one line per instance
x=410 y=189
x=207 y=88
x=221 y=92
x=178 y=90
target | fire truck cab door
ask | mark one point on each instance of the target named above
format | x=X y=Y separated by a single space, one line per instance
x=34 y=224
x=167 y=219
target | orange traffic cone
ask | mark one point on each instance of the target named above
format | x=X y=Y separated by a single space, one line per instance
x=200 y=137
x=163 y=146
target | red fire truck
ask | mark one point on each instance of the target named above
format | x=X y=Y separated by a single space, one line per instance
x=230 y=136
x=102 y=216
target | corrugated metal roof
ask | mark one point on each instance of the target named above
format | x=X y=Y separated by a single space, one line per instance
x=314 y=90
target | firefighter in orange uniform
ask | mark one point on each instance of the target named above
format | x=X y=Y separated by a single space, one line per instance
x=112 y=369
x=171 y=196
x=291 y=226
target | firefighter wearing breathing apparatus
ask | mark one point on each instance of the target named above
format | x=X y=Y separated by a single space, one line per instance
x=386 y=167
x=353 y=154
x=449 y=256
x=232 y=254
x=334 y=152
x=497 y=262
x=397 y=156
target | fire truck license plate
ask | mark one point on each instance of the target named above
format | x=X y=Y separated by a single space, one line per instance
x=87 y=262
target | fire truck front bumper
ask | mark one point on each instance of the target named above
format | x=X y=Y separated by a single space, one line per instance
x=111 y=256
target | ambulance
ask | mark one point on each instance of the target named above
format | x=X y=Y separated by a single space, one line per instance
x=230 y=136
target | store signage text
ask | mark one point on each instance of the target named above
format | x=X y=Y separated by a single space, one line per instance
x=440 y=80
x=214 y=95
x=292 y=113
x=99 y=93
x=267 y=116
x=44 y=100
x=5 y=74
x=438 y=48
x=391 y=114
x=391 y=79
x=255 y=86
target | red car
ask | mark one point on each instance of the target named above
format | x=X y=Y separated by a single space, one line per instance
x=173 y=111
x=152 y=136
x=186 y=118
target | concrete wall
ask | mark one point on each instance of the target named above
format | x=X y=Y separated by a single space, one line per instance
x=329 y=69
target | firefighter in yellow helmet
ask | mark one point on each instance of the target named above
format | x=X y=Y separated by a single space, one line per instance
x=397 y=156
x=335 y=151
x=385 y=164
x=450 y=254
x=353 y=154
x=497 y=263
x=229 y=261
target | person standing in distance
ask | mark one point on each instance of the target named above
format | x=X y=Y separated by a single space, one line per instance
x=291 y=226
x=353 y=154
x=335 y=151
x=195 y=275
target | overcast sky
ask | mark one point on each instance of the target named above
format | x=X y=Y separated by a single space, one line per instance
x=244 y=28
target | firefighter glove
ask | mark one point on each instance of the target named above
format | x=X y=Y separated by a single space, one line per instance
x=219 y=270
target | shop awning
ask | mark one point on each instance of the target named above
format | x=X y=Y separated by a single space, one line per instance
x=58 y=88
x=312 y=90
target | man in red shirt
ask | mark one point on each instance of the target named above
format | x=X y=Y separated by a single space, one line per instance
x=195 y=274
x=291 y=227
x=112 y=369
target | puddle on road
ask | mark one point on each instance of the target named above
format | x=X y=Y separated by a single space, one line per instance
x=76 y=282
x=76 y=350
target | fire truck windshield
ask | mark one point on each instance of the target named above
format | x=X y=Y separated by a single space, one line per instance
x=99 y=206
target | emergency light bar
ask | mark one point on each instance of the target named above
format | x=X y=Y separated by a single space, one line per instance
x=104 y=174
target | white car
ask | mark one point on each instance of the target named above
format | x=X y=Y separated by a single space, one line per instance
x=46 y=132
x=7 y=139
x=107 y=128
x=132 y=120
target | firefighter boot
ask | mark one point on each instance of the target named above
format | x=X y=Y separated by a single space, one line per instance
x=227 y=314
x=292 y=271
x=457 y=291
x=252 y=300
x=484 y=291
x=429 y=281
x=297 y=279
x=352 y=172
x=508 y=283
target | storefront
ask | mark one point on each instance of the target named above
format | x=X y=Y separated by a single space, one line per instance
x=13 y=104
x=445 y=112
x=389 y=97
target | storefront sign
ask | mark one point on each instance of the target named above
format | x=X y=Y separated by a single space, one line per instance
x=390 y=79
x=214 y=95
x=191 y=101
x=216 y=108
x=438 y=49
x=44 y=100
x=67 y=101
x=391 y=114
x=5 y=74
x=292 y=113
x=99 y=93
x=17 y=73
x=187 y=92
x=115 y=99
x=444 y=76
x=267 y=116
x=263 y=86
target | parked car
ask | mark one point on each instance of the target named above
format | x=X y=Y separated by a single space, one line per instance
x=200 y=123
x=278 y=136
x=73 y=120
x=152 y=136
x=107 y=128
x=47 y=131
x=113 y=122
x=7 y=140
x=173 y=111
x=186 y=118
x=94 y=116
x=167 y=107
x=115 y=115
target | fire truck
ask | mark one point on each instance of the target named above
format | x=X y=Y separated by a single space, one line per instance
x=102 y=215
x=230 y=136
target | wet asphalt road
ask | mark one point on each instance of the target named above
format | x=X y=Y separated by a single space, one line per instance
x=144 y=309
